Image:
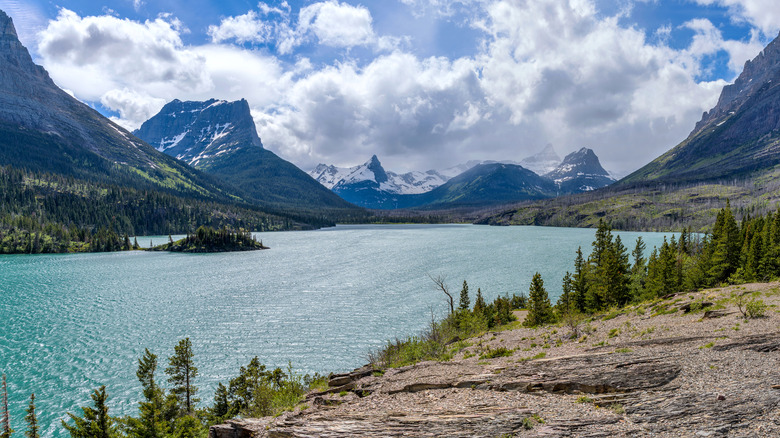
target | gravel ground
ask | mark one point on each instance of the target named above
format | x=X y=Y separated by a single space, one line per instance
x=645 y=371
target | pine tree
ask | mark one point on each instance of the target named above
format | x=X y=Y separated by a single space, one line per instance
x=96 y=422
x=479 y=303
x=135 y=243
x=565 y=301
x=579 y=281
x=726 y=246
x=182 y=372
x=6 y=424
x=151 y=422
x=540 y=310
x=31 y=419
x=465 y=301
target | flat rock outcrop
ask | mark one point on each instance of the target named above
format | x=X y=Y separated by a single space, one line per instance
x=638 y=374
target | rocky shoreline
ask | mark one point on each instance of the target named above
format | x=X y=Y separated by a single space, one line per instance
x=664 y=369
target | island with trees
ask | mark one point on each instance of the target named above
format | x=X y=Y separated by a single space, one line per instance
x=207 y=239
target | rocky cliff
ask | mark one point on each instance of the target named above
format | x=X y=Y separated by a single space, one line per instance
x=45 y=129
x=738 y=139
x=579 y=172
x=220 y=138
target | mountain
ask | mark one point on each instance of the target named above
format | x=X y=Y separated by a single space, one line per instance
x=370 y=185
x=220 y=138
x=543 y=162
x=487 y=184
x=44 y=129
x=737 y=139
x=69 y=174
x=580 y=172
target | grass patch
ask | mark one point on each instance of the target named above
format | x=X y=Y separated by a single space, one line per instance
x=497 y=352
x=541 y=355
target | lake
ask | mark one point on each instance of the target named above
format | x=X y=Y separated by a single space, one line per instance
x=319 y=300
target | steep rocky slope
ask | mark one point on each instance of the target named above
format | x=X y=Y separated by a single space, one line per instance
x=738 y=138
x=43 y=128
x=579 y=172
x=220 y=138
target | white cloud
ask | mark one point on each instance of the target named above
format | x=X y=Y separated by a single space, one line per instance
x=762 y=14
x=243 y=28
x=548 y=71
x=329 y=23
x=134 y=67
x=337 y=24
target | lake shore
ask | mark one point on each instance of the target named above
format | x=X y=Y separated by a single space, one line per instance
x=649 y=370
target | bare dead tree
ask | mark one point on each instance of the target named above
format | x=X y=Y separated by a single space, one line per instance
x=440 y=282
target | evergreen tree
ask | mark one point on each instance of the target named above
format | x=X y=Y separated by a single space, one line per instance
x=32 y=419
x=152 y=420
x=188 y=427
x=639 y=269
x=465 y=301
x=479 y=303
x=182 y=372
x=726 y=246
x=6 y=424
x=640 y=263
x=135 y=243
x=96 y=422
x=565 y=301
x=579 y=281
x=222 y=408
x=540 y=310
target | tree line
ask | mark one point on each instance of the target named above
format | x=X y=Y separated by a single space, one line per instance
x=173 y=411
x=45 y=213
x=734 y=252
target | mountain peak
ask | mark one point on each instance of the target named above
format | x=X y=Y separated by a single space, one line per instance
x=375 y=166
x=542 y=162
x=197 y=132
x=756 y=74
x=7 y=25
x=580 y=171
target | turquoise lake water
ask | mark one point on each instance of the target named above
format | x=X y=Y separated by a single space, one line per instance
x=317 y=299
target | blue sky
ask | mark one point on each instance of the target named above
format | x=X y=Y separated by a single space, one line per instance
x=421 y=83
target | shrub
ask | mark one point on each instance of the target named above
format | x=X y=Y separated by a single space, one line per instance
x=498 y=352
x=755 y=309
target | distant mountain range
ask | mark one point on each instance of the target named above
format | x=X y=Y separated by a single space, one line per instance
x=470 y=184
x=220 y=138
x=732 y=155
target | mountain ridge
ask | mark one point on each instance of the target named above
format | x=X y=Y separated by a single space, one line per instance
x=220 y=138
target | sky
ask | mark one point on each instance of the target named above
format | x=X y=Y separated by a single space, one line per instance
x=423 y=84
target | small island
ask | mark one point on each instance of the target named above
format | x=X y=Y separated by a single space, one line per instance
x=207 y=239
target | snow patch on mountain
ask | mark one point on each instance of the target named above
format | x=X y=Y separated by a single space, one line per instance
x=371 y=172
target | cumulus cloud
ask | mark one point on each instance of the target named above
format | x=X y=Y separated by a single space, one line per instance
x=329 y=23
x=243 y=28
x=337 y=24
x=135 y=67
x=763 y=14
x=547 y=71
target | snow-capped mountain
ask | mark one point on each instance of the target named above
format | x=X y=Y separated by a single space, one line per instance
x=543 y=162
x=372 y=171
x=197 y=132
x=220 y=138
x=579 y=172
x=370 y=185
